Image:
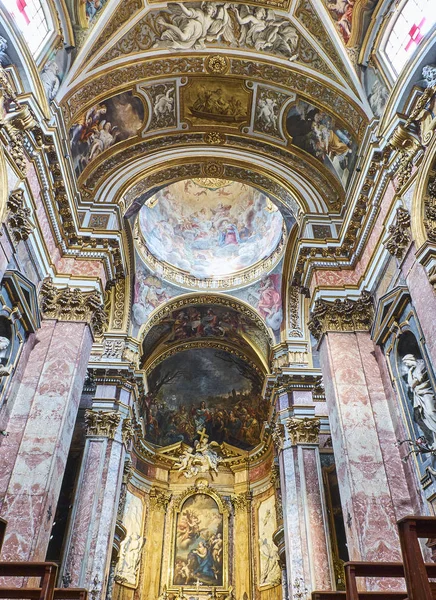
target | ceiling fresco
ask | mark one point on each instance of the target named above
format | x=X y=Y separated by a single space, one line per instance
x=316 y=132
x=210 y=228
x=197 y=25
x=103 y=125
x=204 y=388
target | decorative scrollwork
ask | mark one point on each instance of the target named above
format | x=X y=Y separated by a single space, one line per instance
x=399 y=237
x=303 y=431
x=102 y=423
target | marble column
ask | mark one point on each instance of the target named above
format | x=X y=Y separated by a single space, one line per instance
x=155 y=534
x=243 y=561
x=306 y=536
x=373 y=491
x=91 y=533
x=40 y=427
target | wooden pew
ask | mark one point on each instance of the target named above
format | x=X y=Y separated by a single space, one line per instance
x=34 y=593
x=44 y=571
x=417 y=574
x=3 y=524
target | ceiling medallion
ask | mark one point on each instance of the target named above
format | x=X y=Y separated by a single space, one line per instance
x=217 y=64
x=212 y=169
x=215 y=138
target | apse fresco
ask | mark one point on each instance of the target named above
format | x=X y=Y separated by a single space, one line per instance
x=316 y=132
x=103 y=125
x=210 y=228
x=198 y=553
x=204 y=388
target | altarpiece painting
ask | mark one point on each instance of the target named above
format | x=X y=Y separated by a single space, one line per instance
x=200 y=543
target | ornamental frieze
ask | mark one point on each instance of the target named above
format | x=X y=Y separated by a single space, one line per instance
x=331 y=187
x=341 y=315
x=119 y=79
x=19 y=222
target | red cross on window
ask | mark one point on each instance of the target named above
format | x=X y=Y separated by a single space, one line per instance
x=415 y=34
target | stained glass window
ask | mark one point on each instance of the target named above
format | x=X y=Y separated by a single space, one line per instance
x=32 y=21
x=412 y=20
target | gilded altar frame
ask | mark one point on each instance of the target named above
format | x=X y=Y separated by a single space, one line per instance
x=201 y=487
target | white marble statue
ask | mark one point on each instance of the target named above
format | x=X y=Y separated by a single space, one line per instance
x=200 y=459
x=4 y=351
x=423 y=396
x=50 y=79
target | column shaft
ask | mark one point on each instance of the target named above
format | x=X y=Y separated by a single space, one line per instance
x=358 y=420
x=42 y=423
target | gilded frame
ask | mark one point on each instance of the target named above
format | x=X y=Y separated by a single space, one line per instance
x=200 y=488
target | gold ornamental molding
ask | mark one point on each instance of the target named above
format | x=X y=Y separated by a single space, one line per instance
x=399 y=234
x=102 y=423
x=19 y=222
x=341 y=315
x=291 y=157
x=303 y=431
x=308 y=86
x=68 y=304
x=127 y=431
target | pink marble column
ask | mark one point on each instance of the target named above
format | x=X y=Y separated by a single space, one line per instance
x=423 y=297
x=372 y=484
x=304 y=513
x=40 y=427
x=89 y=546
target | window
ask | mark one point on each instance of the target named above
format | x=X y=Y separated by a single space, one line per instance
x=31 y=20
x=413 y=20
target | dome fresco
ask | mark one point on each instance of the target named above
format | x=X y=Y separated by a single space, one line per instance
x=210 y=228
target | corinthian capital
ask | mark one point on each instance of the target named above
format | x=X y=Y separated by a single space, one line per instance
x=341 y=315
x=241 y=502
x=102 y=423
x=303 y=431
x=68 y=304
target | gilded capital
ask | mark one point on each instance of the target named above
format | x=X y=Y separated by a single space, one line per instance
x=241 y=502
x=341 y=315
x=68 y=304
x=303 y=431
x=159 y=499
x=102 y=423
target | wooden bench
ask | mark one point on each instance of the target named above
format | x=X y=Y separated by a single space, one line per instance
x=417 y=574
x=44 y=571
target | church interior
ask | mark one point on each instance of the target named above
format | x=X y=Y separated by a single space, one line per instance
x=217 y=299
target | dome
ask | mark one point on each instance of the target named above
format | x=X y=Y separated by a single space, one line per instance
x=212 y=229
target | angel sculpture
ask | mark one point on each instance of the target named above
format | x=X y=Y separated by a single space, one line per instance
x=200 y=459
